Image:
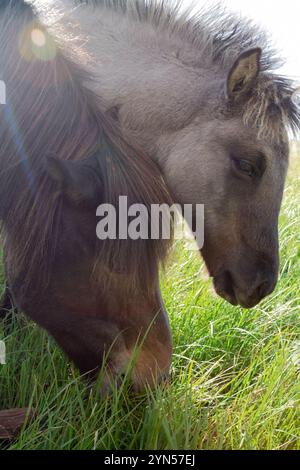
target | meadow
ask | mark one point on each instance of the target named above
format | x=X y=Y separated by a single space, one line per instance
x=235 y=373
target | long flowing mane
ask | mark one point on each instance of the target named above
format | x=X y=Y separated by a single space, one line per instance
x=50 y=111
x=218 y=37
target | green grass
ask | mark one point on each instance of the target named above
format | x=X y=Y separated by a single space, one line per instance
x=235 y=373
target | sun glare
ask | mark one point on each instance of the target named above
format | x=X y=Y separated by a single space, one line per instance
x=38 y=37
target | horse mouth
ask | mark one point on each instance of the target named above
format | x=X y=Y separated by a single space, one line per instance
x=224 y=287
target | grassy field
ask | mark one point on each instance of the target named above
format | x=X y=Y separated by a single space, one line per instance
x=235 y=378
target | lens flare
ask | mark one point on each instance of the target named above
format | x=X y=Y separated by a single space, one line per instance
x=38 y=37
x=35 y=43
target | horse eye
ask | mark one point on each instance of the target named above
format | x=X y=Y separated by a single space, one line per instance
x=245 y=167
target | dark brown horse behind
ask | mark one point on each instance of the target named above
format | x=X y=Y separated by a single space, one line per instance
x=92 y=296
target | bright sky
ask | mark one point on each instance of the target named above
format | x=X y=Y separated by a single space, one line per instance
x=280 y=18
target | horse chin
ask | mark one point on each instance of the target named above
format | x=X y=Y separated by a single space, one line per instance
x=226 y=288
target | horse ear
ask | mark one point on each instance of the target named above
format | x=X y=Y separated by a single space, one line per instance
x=74 y=179
x=295 y=98
x=58 y=171
x=243 y=73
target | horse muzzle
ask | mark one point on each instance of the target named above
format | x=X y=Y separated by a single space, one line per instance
x=246 y=293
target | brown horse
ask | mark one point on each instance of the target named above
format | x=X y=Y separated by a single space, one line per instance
x=211 y=118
